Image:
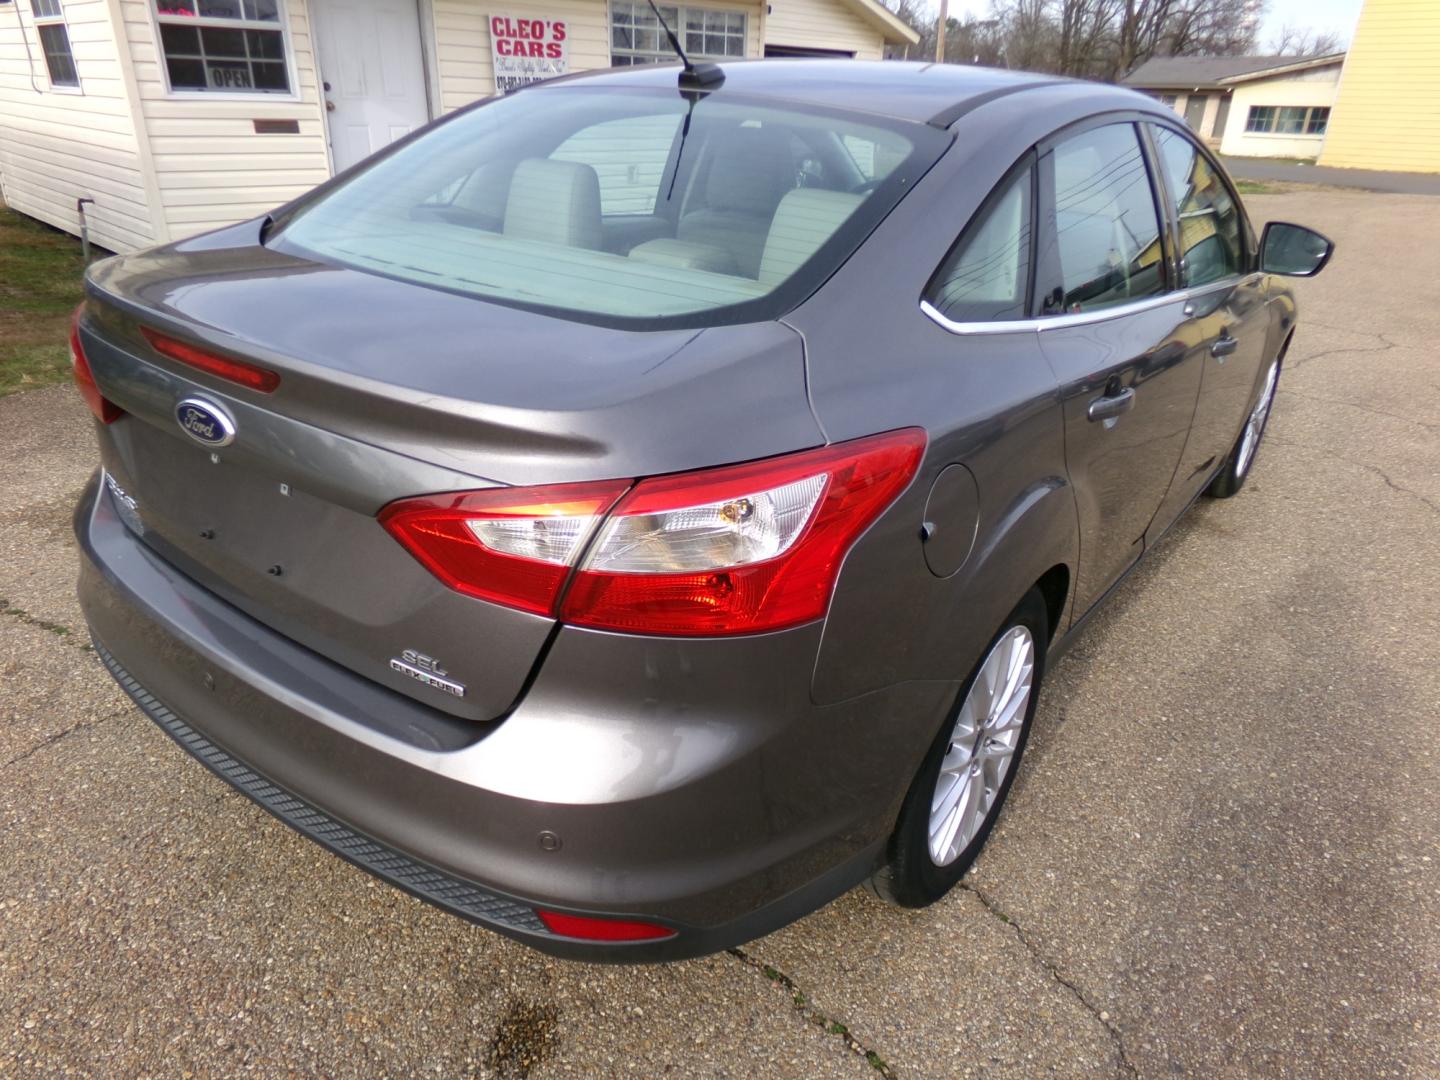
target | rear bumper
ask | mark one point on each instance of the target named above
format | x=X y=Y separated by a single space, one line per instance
x=690 y=784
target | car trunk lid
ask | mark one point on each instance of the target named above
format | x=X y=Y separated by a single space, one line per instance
x=389 y=390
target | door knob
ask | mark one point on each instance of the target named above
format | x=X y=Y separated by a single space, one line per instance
x=1109 y=406
x=329 y=105
x=1224 y=346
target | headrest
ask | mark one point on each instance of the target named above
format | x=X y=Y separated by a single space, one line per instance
x=749 y=171
x=554 y=201
x=804 y=220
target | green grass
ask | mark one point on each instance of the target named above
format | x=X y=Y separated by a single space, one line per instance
x=1254 y=187
x=40 y=284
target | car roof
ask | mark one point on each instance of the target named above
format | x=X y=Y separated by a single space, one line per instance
x=936 y=94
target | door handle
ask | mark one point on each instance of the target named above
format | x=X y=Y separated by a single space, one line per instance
x=1224 y=345
x=1109 y=406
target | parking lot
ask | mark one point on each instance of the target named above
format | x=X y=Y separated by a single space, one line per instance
x=1222 y=856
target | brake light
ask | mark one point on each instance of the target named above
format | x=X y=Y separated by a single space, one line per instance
x=742 y=549
x=735 y=550
x=591 y=929
x=237 y=371
x=513 y=546
x=105 y=410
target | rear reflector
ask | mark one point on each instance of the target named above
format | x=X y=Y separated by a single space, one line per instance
x=236 y=371
x=106 y=411
x=582 y=926
x=736 y=550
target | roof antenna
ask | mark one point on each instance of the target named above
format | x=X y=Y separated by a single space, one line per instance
x=697 y=76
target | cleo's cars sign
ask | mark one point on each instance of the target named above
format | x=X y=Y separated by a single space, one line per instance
x=527 y=50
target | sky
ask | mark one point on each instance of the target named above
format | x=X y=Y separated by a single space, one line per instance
x=1335 y=15
x=1338 y=16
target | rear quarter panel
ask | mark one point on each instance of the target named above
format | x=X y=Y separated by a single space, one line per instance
x=990 y=402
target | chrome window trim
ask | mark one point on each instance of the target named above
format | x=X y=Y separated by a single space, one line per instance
x=1084 y=318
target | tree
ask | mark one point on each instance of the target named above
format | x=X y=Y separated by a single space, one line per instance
x=1210 y=28
x=1099 y=39
x=1084 y=34
x=967 y=40
x=1302 y=41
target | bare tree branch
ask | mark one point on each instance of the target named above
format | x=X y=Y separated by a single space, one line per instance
x=1303 y=41
x=1100 y=39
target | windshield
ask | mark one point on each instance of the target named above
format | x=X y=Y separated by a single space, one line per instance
x=621 y=206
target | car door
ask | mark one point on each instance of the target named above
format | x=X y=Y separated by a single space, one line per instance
x=1119 y=339
x=1227 y=302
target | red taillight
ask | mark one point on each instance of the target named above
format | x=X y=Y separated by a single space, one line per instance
x=104 y=409
x=591 y=929
x=514 y=546
x=236 y=371
x=749 y=548
x=735 y=550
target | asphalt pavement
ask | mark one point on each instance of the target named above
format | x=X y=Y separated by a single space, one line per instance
x=1220 y=858
x=1394 y=183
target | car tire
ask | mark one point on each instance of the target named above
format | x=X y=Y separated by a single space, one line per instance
x=970 y=746
x=1231 y=477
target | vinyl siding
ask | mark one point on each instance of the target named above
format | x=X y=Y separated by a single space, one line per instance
x=211 y=167
x=1314 y=87
x=163 y=166
x=58 y=145
x=1387 y=114
x=462 y=39
x=823 y=24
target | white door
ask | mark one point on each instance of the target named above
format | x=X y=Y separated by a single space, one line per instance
x=373 y=78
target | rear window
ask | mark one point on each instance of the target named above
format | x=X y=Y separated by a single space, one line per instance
x=621 y=206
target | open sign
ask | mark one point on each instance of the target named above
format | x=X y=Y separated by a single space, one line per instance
x=229 y=76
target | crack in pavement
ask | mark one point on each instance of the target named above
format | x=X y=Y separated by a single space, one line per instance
x=801 y=1003
x=1360 y=465
x=60 y=630
x=1296 y=363
x=1356 y=405
x=1127 y=1067
x=51 y=740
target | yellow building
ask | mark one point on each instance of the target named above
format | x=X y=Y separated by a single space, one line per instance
x=1387 y=114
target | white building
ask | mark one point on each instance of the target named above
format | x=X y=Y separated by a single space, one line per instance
x=177 y=116
x=1248 y=106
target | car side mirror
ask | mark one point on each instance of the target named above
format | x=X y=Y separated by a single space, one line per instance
x=1293 y=250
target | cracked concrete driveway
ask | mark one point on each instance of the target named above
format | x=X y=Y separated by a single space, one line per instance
x=1220 y=858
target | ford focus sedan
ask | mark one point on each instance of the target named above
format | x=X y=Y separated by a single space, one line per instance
x=632 y=511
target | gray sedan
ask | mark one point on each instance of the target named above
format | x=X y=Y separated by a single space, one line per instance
x=632 y=511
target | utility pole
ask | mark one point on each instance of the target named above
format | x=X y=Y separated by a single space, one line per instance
x=940 y=32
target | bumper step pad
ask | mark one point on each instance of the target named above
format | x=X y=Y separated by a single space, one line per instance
x=435 y=886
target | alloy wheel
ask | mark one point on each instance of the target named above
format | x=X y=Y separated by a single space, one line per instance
x=982 y=745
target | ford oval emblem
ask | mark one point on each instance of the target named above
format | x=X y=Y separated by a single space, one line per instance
x=205 y=422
